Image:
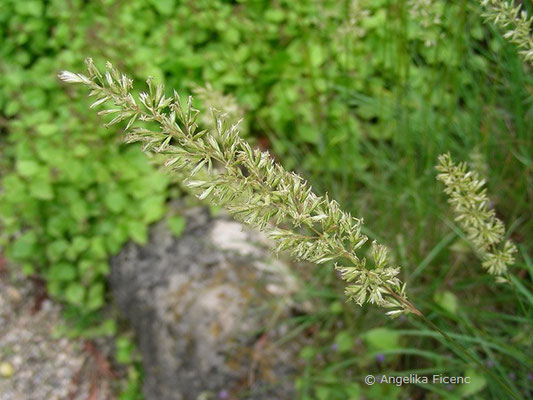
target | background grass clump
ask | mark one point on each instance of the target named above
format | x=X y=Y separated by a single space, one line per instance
x=359 y=96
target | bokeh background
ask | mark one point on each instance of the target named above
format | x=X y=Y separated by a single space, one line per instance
x=358 y=96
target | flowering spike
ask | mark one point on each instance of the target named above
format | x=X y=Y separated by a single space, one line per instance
x=471 y=205
x=250 y=184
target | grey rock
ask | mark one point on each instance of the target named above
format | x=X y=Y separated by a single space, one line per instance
x=206 y=308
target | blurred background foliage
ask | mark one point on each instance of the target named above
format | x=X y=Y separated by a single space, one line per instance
x=358 y=96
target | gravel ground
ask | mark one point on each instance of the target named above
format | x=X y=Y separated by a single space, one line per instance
x=35 y=364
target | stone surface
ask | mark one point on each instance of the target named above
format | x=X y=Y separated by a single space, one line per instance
x=207 y=308
x=37 y=364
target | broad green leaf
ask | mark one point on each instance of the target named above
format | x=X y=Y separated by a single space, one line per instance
x=98 y=248
x=75 y=293
x=78 y=209
x=41 y=189
x=61 y=272
x=274 y=15
x=138 y=231
x=53 y=288
x=28 y=269
x=116 y=201
x=12 y=108
x=447 y=300
x=316 y=55
x=47 y=129
x=308 y=133
x=335 y=307
x=24 y=246
x=381 y=339
x=164 y=7
x=124 y=350
x=324 y=392
x=80 y=150
x=176 y=225
x=57 y=249
x=353 y=391
x=476 y=385
x=308 y=352
x=80 y=244
x=344 y=341
x=95 y=298
x=27 y=168
x=153 y=208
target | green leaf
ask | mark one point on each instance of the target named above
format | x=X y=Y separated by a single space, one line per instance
x=447 y=300
x=46 y=129
x=153 y=208
x=353 y=390
x=80 y=244
x=308 y=133
x=24 y=246
x=308 y=353
x=215 y=210
x=80 y=150
x=58 y=225
x=75 y=293
x=57 y=249
x=381 y=339
x=176 y=225
x=42 y=190
x=335 y=307
x=32 y=8
x=12 y=108
x=156 y=182
x=124 y=350
x=95 y=298
x=476 y=385
x=61 y=272
x=78 y=209
x=98 y=248
x=85 y=266
x=28 y=269
x=116 y=201
x=27 y=168
x=324 y=392
x=138 y=231
x=274 y=15
x=316 y=55
x=106 y=328
x=116 y=239
x=53 y=288
x=164 y=7
x=101 y=268
x=344 y=341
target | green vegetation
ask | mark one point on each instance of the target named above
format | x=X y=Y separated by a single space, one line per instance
x=360 y=97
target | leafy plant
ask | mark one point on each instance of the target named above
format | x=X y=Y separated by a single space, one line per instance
x=66 y=186
x=66 y=207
